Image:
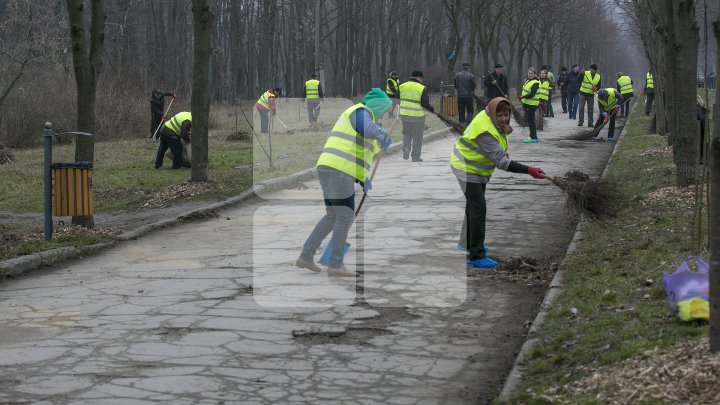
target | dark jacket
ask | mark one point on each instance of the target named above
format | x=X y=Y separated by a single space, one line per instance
x=561 y=81
x=572 y=84
x=157 y=104
x=465 y=84
x=492 y=89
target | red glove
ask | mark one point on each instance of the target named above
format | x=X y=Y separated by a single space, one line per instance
x=536 y=172
x=606 y=119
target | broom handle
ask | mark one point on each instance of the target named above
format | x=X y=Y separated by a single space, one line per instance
x=372 y=175
x=161 y=121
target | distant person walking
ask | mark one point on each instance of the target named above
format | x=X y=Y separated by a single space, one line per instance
x=625 y=86
x=313 y=93
x=496 y=83
x=157 y=108
x=551 y=92
x=573 y=91
x=267 y=104
x=589 y=84
x=392 y=89
x=649 y=92
x=530 y=102
x=414 y=102
x=465 y=83
x=562 y=83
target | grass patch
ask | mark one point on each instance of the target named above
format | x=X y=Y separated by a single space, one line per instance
x=613 y=279
x=19 y=240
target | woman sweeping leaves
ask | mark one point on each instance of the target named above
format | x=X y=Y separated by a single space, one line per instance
x=346 y=158
x=482 y=148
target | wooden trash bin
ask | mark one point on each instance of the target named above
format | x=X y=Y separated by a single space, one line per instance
x=72 y=189
x=450 y=106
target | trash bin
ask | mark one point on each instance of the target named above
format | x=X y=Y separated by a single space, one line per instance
x=72 y=189
x=450 y=106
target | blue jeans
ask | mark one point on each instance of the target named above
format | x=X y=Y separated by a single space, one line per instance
x=549 y=112
x=573 y=99
x=339 y=194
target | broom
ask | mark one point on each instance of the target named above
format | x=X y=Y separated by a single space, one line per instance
x=456 y=127
x=592 y=133
x=587 y=196
x=325 y=258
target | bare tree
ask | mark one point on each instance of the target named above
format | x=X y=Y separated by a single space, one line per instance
x=202 y=26
x=87 y=60
x=714 y=226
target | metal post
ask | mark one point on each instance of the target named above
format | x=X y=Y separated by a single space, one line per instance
x=47 y=140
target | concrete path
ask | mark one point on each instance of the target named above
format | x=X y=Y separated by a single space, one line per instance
x=214 y=312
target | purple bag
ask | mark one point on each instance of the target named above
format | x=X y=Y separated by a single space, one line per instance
x=684 y=284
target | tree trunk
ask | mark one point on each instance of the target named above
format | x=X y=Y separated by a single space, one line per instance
x=200 y=103
x=87 y=62
x=714 y=225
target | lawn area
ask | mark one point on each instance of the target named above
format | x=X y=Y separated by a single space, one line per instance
x=613 y=307
x=124 y=179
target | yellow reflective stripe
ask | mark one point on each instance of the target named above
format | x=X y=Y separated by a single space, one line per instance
x=351 y=138
x=354 y=159
x=474 y=164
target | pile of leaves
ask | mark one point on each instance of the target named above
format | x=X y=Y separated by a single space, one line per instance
x=683 y=197
x=657 y=152
x=6 y=156
x=240 y=136
x=188 y=189
x=684 y=373
x=527 y=270
x=73 y=230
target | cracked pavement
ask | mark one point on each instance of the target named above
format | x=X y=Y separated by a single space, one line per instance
x=214 y=311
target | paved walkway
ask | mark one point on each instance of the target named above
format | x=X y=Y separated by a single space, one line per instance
x=213 y=312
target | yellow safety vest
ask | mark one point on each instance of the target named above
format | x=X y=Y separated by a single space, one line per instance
x=625 y=83
x=389 y=91
x=348 y=151
x=589 y=82
x=543 y=92
x=312 y=88
x=410 y=96
x=649 y=81
x=175 y=123
x=465 y=155
x=527 y=88
x=264 y=100
x=611 y=100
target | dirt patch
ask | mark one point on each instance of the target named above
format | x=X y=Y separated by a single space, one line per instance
x=119 y=193
x=187 y=189
x=684 y=373
x=683 y=197
x=240 y=136
x=665 y=152
x=526 y=270
x=200 y=215
x=351 y=336
x=63 y=231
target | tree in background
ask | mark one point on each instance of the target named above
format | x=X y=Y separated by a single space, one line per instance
x=714 y=226
x=202 y=33
x=87 y=61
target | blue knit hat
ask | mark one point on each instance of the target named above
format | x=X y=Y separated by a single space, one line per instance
x=377 y=101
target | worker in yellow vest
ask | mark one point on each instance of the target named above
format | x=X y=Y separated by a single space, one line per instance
x=589 y=85
x=267 y=104
x=530 y=101
x=345 y=160
x=414 y=102
x=177 y=128
x=609 y=101
x=543 y=96
x=482 y=148
x=625 y=87
x=313 y=93
x=649 y=92
x=392 y=89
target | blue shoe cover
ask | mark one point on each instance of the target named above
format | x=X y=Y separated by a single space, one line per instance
x=484 y=263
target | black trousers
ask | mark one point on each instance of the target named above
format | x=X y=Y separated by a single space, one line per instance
x=413 y=137
x=466 y=109
x=472 y=235
x=625 y=107
x=530 y=116
x=172 y=142
x=611 y=130
x=264 y=121
x=649 y=102
x=155 y=123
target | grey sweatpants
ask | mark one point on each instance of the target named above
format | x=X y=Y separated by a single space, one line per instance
x=590 y=100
